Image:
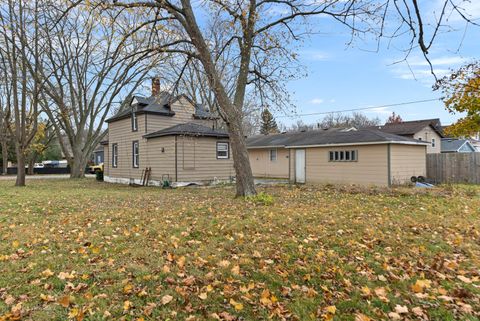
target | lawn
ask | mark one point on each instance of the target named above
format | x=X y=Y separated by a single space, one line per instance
x=84 y=250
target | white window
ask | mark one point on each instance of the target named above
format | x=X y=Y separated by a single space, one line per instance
x=114 y=155
x=273 y=155
x=343 y=156
x=433 y=142
x=136 y=154
x=134 y=121
x=222 y=150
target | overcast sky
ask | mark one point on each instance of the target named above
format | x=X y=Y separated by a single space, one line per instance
x=342 y=77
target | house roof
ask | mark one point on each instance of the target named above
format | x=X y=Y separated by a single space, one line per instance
x=159 y=105
x=328 y=138
x=189 y=129
x=450 y=145
x=410 y=127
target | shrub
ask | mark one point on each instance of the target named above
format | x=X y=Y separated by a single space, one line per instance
x=261 y=198
x=99 y=176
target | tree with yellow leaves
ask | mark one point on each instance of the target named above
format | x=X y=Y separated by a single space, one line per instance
x=461 y=92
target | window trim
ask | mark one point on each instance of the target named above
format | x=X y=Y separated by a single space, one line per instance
x=228 y=150
x=134 y=120
x=115 y=155
x=276 y=154
x=133 y=154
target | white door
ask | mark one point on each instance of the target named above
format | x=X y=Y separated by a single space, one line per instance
x=300 y=165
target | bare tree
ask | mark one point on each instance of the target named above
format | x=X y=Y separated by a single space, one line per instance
x=339 y=120
x=19 y=29
x=4 y=121
x=89 y=62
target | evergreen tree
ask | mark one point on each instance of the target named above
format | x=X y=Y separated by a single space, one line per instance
x=269 y=125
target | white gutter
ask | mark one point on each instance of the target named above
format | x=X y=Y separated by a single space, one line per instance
x=360 y=144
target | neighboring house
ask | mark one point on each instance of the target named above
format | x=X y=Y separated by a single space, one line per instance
x=427 y=130
x=452 y=145
x=172 y=135
x=364 y=157
x=98 y=155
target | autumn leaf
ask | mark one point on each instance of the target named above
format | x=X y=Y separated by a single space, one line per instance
x=166 y=299
x=238 y=306
x=47 y=273
x=64 y=301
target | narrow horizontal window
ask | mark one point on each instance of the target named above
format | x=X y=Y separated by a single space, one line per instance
x=343 y=156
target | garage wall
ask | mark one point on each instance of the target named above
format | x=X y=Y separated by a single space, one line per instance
x=407 y=161
x=262 y=166
x=370 y=169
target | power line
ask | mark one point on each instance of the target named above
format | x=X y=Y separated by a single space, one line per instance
x=364 y=108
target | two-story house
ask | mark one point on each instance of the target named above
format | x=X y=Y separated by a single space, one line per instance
x=172 y=135
x=426 y=130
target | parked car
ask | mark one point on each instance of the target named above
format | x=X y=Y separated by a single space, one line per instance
x=95 y=168
x=38 y=165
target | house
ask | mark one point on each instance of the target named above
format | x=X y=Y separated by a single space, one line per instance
x=427 y=130
x=176 y=138
x=363 y=157
x=452 y=145
x=98 y=155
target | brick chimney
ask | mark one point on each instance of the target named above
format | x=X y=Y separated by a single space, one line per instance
x=155 y=86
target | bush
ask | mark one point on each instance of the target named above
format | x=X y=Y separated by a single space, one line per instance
x=99 y=176
x=261 y=198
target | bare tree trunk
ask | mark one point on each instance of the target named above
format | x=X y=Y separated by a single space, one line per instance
x=4 y=157
x=77 y=164
x=31 y=165
x=20 y=167
x=245 y=184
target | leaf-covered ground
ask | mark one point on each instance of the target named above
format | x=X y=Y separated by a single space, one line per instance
x=84 y=250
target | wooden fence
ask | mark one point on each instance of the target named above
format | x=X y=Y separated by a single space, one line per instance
x=454 y=168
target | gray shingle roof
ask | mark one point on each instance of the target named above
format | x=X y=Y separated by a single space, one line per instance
x=320 y=137
x=450 y=145
x=159 y=105
x=410 y=127
x=189 y=129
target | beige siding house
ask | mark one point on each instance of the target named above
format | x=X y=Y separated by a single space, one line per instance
x=363 y=157
x=426 y=130
x=174 y=137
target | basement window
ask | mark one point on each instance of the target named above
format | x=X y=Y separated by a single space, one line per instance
x=343 y=156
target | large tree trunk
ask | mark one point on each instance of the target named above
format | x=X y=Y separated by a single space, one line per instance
x=20 y=168
x=4 y=157
x=31 y=165
x=77 y=165
x=245 y=183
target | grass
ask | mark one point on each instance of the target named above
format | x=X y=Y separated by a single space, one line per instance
x=85 y=250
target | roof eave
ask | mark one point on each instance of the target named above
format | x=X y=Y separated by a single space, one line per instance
x=360 y=144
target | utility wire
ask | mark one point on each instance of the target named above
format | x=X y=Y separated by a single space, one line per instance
x=364 y=108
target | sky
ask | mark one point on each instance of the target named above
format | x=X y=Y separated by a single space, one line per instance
x=342 y=77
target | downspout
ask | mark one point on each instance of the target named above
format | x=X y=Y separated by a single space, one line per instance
x=176 y=162
x=146 y=126
x=389 y=164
